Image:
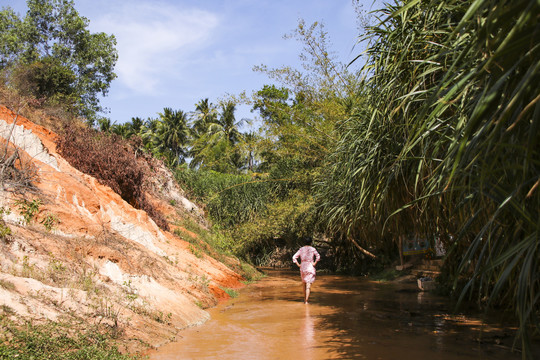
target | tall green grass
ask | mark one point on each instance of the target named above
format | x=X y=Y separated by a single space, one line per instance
x=449 y=144
x=229 y=199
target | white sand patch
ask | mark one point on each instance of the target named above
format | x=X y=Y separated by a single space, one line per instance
x=81 y=207
x=189 y=206
x=113 y=272
x=29 y=142
x=134 y=232
x=13 y=302
x=38 y=300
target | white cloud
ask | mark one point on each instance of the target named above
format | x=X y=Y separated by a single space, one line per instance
x=153 y=39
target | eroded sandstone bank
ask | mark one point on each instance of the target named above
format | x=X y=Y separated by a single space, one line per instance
x=87 y=254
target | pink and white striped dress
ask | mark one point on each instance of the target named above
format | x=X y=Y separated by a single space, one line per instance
x=307 y=270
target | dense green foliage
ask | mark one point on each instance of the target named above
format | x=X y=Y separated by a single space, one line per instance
x=254 y=212
x=52 y=56
x=448 y=144
x=229 y=198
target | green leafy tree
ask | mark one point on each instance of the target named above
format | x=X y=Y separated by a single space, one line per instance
x=273 y=104
x=250 y=148
x=300 y=115
x=10 y=32
x=54 y=55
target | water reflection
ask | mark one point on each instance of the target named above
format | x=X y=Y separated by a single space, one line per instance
x=308 y=329
x=347 y=318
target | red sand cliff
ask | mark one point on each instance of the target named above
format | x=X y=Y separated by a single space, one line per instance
x=105 y=261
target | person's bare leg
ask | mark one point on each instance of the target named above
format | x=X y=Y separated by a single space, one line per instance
x=307 y=292
x=304 y=289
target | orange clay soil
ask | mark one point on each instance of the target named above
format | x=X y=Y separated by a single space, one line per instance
x=89 y=255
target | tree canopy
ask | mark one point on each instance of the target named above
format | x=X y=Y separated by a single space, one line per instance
x=50 y=54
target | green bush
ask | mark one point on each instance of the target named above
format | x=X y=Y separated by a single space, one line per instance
x=50 y=221
x=28 y=209
x=231 y=292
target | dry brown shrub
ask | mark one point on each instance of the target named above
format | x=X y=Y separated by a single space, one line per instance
x=110 y=159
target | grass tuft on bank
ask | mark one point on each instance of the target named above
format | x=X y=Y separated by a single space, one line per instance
x=52 y=340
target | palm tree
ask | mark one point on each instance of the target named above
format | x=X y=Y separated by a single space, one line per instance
x=174 y=135
x=125 y=130
x=216 y=148
x=120 y=129
x=134 y=127
x=149 y=136
x=205 y=114
x=226 y=128
x=104 y=124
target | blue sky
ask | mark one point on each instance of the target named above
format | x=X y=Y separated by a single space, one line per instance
x=172 y=53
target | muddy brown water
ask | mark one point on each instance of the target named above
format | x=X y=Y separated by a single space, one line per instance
x=347 y=318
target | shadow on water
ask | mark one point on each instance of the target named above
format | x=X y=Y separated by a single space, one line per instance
x=347 y=318
x=386 y=320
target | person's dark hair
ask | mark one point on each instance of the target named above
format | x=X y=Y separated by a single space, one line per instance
x=307 y=240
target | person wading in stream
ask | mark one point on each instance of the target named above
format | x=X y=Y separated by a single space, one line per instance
x=307 y=266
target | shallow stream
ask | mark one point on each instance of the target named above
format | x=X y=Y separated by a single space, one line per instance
x=347 y=318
